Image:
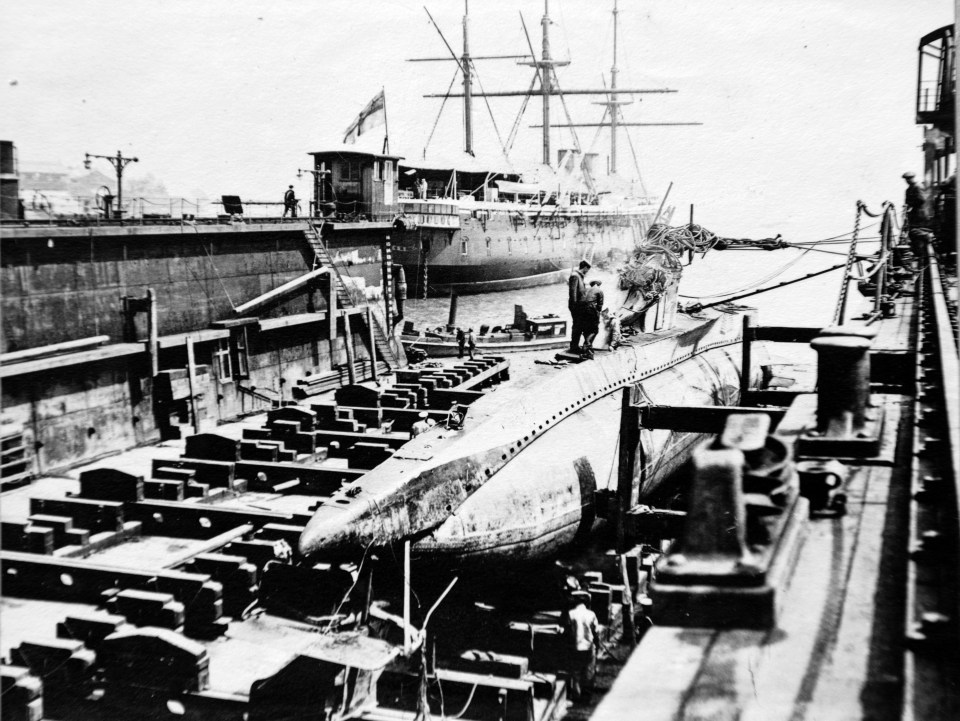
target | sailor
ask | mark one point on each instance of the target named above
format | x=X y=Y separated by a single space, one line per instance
x=471 y=342
x=577 y=289
x=290 y=203
x=592 y=307
x=461 y=342
x=915 y=200
x=584 y=636
x=422 y=185
x=421 y=426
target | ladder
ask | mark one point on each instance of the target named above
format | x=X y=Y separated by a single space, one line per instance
x=321 y=258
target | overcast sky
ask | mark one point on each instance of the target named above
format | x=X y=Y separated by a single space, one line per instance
x=807 y=106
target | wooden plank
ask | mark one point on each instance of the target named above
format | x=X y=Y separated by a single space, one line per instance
x=39 y=365
x=785 y=333
x=279 y=292
x=46 y=350
x=699 y=419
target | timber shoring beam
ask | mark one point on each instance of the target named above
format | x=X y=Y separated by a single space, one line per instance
x=785 y=333
x=699 y=419
x=29 y=575
x=191 y=520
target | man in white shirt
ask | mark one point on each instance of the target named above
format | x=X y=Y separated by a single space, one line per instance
x=584 y=635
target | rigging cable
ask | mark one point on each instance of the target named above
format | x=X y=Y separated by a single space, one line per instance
x=486 y=101
x=446 y=97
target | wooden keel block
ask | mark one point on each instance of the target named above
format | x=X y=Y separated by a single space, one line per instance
x=109 y=484
x=22 y=694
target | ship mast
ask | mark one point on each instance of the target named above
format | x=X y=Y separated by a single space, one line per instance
x=545 y=69
x=613 y=86
x=467 y=70
x=467 y=83
x=611 y=104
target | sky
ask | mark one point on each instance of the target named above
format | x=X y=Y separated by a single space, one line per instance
x=806 y=106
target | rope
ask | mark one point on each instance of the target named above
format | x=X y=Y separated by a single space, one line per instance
x=214 y=265
x=523 y=108
x=486 y=101
x=446 y=97
x=851 y=256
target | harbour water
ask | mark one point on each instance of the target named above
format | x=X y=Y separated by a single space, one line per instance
x=718 y=275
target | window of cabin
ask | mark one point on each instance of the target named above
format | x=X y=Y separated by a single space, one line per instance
x=350 y=171
x=222 y=359
x=240 y=357
x=489 y=246
x=464 y=248
x=377 y=172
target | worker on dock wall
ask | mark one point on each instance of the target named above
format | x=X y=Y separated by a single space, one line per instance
x=290 y=203
x=577 y=290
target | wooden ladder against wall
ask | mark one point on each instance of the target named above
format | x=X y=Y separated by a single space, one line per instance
x=345 y=300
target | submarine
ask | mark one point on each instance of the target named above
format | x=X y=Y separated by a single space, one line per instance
x=520 y=479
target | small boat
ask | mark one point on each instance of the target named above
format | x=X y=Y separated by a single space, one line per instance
x=526 y=333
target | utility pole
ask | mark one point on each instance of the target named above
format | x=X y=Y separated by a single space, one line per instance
x=119 y=163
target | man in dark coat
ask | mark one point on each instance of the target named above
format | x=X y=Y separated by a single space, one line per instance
x=290 y=203
x=577 y=291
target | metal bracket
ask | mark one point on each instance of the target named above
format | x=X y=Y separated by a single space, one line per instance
x=824 y=484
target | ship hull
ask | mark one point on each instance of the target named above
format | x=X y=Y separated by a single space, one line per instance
x=519 y=480
x=484 y=247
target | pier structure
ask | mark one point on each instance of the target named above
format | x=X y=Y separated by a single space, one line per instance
x=848 y=619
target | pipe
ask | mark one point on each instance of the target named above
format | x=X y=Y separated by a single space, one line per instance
x=348 y=346
x=153 y=329
x=452 y=317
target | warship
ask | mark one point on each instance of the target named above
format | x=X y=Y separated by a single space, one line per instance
x=470 y=225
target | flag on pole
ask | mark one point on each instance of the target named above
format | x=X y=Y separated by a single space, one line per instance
x=371 y=116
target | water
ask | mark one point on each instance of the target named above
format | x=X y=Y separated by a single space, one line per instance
x=729 y=272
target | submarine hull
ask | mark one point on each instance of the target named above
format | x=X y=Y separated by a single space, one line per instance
x=544 y=499
x=519 y=479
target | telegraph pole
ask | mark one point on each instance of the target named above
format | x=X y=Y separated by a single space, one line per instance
x=119 y=163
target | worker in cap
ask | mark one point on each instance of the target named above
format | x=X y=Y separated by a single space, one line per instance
x=576 y=293
x=422 y=425
x=915 y=202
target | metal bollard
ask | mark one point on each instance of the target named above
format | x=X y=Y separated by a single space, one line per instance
x=745 y=521
x=843 y=379
x=716 y=517
x=847 y=423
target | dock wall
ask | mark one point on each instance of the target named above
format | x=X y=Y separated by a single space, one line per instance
x=65 y=284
